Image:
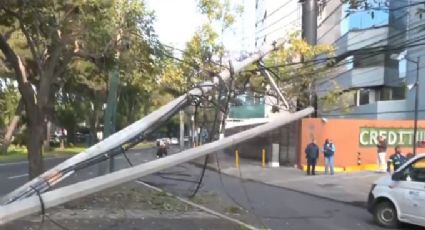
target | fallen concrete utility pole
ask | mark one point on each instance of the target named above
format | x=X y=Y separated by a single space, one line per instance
x=141 y=127
x=62 y=195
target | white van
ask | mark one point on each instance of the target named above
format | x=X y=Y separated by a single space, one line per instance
x=400 y=197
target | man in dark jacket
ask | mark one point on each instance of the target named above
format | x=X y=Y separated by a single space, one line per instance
x=312 y=153
x=397 y=159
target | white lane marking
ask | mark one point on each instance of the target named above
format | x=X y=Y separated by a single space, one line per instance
x=26 y=162
x=205 y=209
x=18 y=176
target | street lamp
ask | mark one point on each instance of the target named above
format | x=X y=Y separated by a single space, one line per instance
x=398 y=57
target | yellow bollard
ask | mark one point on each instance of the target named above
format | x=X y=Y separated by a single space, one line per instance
x=263 y=158
x=237 y=158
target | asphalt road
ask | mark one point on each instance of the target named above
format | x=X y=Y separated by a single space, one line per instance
x=262 y=205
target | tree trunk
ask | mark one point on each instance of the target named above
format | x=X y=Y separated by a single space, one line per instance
x=35 y=105
x=46 y=144
x=34 y=146
x=94 y=121
x=11 y=128
x=62 y=143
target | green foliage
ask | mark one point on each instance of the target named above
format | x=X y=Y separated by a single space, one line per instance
x=9 y=99
x=202 y=55
x=220 y=10
x=293 y=79
x=366 y=4
x=18 y=152
x=336 y=98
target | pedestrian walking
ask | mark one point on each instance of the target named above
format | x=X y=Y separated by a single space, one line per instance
x=382 y=153
x=162 y=148
x=397 y=159
x=312 y=153
x=329 y=152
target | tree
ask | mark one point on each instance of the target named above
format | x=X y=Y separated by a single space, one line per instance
x=11 y=108
x=51 y=31
x=53 y=34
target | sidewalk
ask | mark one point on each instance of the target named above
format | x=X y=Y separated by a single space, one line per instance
x=348 y=187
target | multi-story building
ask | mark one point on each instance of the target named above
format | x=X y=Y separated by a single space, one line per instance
x=373 y=82
x=275 y=20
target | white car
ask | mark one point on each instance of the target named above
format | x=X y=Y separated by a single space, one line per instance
x=174 y=141
x=400 y=197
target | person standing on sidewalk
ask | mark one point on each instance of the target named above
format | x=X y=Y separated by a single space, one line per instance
x=382 y=153
x=397 y=159
x=312 y=153
x=329 y=152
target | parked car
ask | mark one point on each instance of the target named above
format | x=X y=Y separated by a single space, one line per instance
x=400 y=197
x=166 y=140
x=174 y=141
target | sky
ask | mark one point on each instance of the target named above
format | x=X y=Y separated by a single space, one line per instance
x=177 y=20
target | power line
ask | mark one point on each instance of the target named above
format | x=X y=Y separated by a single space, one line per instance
x=364 y=50
x=398 y=8
x=368 y=29
x=367 y=113
x=277 y=21
x=274 y=11
x=348 y=14
x=369 y=56
x=368 y=82
x=386 y=38
x=277 y=29
x=396 y=49
x=329 y=15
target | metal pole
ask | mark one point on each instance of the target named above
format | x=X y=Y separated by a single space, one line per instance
x=62 y=195
x=181 y=113
x=309 y=34
x=309 y=21
x=111 y=109
x=415 y=126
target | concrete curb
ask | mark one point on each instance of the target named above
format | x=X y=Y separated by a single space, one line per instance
x=360 y=204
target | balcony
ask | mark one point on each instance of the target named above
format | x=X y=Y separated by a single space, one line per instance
x=394 y=109
x=357 y=39
x=354 y=78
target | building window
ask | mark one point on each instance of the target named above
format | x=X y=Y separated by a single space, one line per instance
x=361 y=18
x=364 y=96
x=399 y=93
x=365 y=61
x=385 y=94
x=350 y=62
x=402 y=68
x=391 y=93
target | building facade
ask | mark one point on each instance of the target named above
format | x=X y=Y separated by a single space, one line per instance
x=374 y=82
x=276 y=20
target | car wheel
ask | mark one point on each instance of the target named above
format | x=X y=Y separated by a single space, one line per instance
x=385 y=215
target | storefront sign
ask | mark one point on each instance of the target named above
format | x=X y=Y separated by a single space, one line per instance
x=395 y=136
